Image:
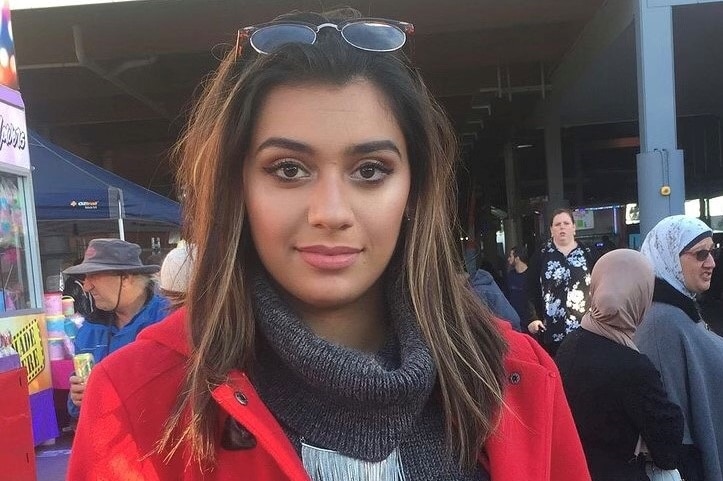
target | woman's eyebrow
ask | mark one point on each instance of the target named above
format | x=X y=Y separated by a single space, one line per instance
x=357 y=149
x=285 y=143
x=373 y=146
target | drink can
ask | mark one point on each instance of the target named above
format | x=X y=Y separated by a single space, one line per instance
x=83 y=363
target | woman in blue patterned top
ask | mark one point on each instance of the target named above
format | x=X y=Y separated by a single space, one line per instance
x=561 y=289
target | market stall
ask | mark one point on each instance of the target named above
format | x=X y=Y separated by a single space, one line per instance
x=22 y=322
x=76 y=200
x=69 y=188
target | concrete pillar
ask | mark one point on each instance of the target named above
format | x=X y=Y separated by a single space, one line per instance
x=553 y=160
x=661 y=183
x=579 y=177
x=513 y=234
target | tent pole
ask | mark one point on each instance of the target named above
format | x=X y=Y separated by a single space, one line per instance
x=121 y=230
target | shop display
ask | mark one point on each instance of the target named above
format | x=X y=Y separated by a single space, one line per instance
x=22 y=319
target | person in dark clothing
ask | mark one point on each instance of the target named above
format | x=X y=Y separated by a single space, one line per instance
x=615 y=393
x=484 y=285
x=559 y=283
x=518 y=285
x=605 y=245
x=73 y=287
x=83 y=301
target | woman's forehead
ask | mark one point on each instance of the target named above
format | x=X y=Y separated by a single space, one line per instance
x=327 y=115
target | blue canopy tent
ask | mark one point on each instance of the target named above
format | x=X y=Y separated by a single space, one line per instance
x=67 y=187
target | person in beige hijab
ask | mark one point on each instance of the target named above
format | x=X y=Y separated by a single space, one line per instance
x=614 y=391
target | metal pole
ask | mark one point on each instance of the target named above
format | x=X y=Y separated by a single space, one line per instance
x=121 y=230
x=661 y=182
x=512 y=230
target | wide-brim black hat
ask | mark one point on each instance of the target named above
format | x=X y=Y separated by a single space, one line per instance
x=108 y=255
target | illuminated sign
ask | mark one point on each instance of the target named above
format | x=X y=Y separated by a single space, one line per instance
x=14 y=148
x=584 y=219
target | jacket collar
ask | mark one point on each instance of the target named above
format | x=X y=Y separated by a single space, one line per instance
x=667 y=294
x=526 y=379
x=237 y=397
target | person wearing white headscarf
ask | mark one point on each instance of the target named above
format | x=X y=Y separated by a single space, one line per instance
x=677 y=340
x=615 y=393
x=176 y=272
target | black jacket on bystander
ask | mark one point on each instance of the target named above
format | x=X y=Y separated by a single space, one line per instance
x=616 y=395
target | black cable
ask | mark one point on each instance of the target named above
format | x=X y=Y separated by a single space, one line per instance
x=113 y=315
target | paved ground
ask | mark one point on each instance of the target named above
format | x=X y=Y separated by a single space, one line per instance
x=52 y=461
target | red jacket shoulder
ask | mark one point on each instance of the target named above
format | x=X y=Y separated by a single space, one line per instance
x=524 y=348
x=150 y=362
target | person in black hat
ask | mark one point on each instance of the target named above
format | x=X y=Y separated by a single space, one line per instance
x=125 y=303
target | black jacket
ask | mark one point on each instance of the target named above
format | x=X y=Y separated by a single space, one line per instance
x=83 y=301
x=616 y=394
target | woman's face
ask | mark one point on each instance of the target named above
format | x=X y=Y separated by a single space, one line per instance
x=562 y=229
x=326 y=183
x=697 y=274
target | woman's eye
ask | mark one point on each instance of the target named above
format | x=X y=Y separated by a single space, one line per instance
x=371 y=172
x=288 y=171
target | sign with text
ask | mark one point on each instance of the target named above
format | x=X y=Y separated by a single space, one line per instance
x=584 y=219
x=29 y=338
x=14 y=149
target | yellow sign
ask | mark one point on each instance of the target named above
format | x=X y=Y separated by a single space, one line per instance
x=30 y=340
x=29 y=345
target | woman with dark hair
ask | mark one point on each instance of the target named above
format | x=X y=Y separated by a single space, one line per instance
x=325 y=333
x=559 y=282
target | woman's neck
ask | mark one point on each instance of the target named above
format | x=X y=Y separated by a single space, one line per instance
x=360 y=324
x=566 y=249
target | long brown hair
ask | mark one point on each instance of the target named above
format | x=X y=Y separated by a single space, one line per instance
x=467 y=347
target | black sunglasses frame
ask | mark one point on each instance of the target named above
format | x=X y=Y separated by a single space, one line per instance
x=702 y=255
x=245 y=34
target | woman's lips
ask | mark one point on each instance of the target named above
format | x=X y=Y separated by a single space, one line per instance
x=329 y=258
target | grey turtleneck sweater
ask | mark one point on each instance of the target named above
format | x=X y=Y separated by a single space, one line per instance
x=360 y=405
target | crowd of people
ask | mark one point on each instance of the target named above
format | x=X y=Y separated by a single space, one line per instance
x=314 y=325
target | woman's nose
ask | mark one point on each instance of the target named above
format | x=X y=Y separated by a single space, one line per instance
x=709 y=261
x=329 y=204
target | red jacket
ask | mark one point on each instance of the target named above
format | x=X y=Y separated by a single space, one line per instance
x=131 y=393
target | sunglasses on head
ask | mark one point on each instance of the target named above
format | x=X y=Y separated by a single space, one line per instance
x=702 y=255
x=370 y=34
